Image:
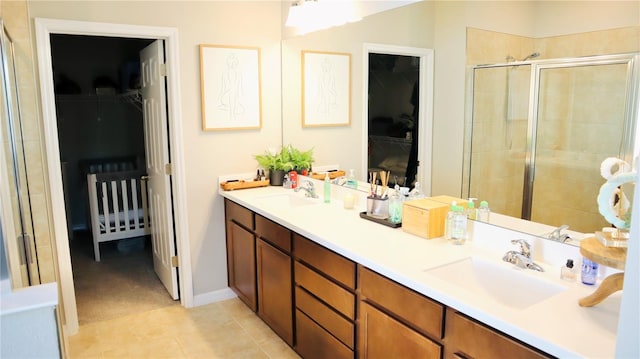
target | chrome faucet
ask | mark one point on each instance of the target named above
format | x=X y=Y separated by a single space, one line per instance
x=522 y=259
x=558 y=236
x=308 y=188
x=340 y=181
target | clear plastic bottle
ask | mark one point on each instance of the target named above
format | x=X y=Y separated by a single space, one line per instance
x=589 y=274
x=459 y=226
x=416 y=192
x=327 y=188
x=351 y=180
x=448 y=221
x=395 y=206
x=471 y=209
x=568 y=272
x=484 y=212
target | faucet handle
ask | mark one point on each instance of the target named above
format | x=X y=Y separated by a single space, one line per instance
x=525 y=247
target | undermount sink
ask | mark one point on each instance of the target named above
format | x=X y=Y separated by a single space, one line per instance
x=287 y=200
x=506 y=284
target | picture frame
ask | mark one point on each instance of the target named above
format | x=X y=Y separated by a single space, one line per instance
x=230 y=82
x=326 y=89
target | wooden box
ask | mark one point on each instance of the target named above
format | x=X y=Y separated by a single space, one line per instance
x=448 y=199
x=424 y=217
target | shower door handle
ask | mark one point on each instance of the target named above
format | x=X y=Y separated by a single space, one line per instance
x=26 y=240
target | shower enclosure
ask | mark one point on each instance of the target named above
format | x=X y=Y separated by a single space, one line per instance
x=16 y=222
x=538 y=130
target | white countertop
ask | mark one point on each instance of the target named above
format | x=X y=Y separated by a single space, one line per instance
x=28 y=298
x=556 y=325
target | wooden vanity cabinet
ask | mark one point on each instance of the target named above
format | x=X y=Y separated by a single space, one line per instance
x=274 y=272
x=325 y=284
x=241 y=253
x=396 y=322
x=467 y=338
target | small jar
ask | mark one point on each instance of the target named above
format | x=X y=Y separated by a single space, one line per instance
x=589 y=274
x=568 y=272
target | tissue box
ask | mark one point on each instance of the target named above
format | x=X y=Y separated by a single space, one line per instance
x=424 y=217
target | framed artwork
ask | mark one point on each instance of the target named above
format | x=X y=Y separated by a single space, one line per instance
x=326 y=89
x=230 y=87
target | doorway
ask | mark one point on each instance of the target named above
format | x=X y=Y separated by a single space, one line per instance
x=44 y=29
x=100 y=131
x=398 y=113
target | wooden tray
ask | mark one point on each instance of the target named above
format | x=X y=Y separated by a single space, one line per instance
x=230 y=186
x=332 y=174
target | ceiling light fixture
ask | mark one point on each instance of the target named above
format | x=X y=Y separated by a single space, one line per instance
x=312 y=15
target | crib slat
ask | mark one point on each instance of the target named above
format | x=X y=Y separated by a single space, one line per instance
x=105 y=208
x=145 y=210
x=125 y=204
x=134 y=200
x=116 y=208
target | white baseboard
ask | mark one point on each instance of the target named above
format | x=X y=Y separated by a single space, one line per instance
x=212 y=297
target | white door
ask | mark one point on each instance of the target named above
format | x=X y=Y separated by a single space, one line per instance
x=156 y=139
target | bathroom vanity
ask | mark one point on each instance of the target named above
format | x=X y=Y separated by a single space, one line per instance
x=333 y=285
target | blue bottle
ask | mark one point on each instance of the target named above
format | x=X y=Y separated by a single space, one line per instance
x=589 y=273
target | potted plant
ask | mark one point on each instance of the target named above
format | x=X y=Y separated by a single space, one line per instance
x=302 y=160
x=287 y=159
x=277 y=163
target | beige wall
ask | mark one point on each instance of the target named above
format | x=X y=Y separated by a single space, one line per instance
x=206 y=154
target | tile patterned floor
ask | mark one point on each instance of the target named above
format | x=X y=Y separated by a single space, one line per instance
x=227 y=329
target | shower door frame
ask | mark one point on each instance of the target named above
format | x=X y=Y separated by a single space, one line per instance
x=630 y=142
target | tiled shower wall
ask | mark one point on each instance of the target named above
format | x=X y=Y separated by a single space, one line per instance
x=502 y=158
x=16 y=19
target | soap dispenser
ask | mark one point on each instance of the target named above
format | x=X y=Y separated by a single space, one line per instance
x=327 y=188
x=471 y=209
x=351 y=180
x=484 y=212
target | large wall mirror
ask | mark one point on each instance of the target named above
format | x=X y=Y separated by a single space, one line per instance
x=515 y=29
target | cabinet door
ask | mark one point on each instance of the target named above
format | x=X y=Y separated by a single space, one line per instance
x=275 y=289
x=381 y=336
x=241 y=263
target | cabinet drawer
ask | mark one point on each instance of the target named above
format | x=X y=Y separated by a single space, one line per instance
x=339 y=298
x=313 y=342
x=326 y=261
x=273 y=233
x=417 y=310
x=331 y=321
x=381 y=336
x=237 y=213
x=469 y=339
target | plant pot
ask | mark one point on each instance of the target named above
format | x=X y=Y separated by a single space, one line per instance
x=276 y=177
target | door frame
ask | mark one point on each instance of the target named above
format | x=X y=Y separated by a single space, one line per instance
x=425 y=105
x=62 y=256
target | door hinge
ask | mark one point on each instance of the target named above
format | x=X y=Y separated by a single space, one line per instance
x=174 y=261
x=168 y=169
x=163 y=69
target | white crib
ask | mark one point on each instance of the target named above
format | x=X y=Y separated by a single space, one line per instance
x=118 y=206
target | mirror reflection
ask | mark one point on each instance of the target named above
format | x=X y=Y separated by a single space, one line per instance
x=489 y=39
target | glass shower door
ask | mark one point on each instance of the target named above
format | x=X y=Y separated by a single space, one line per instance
x=17 y=222
x=498 y=137
x=581 y=118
